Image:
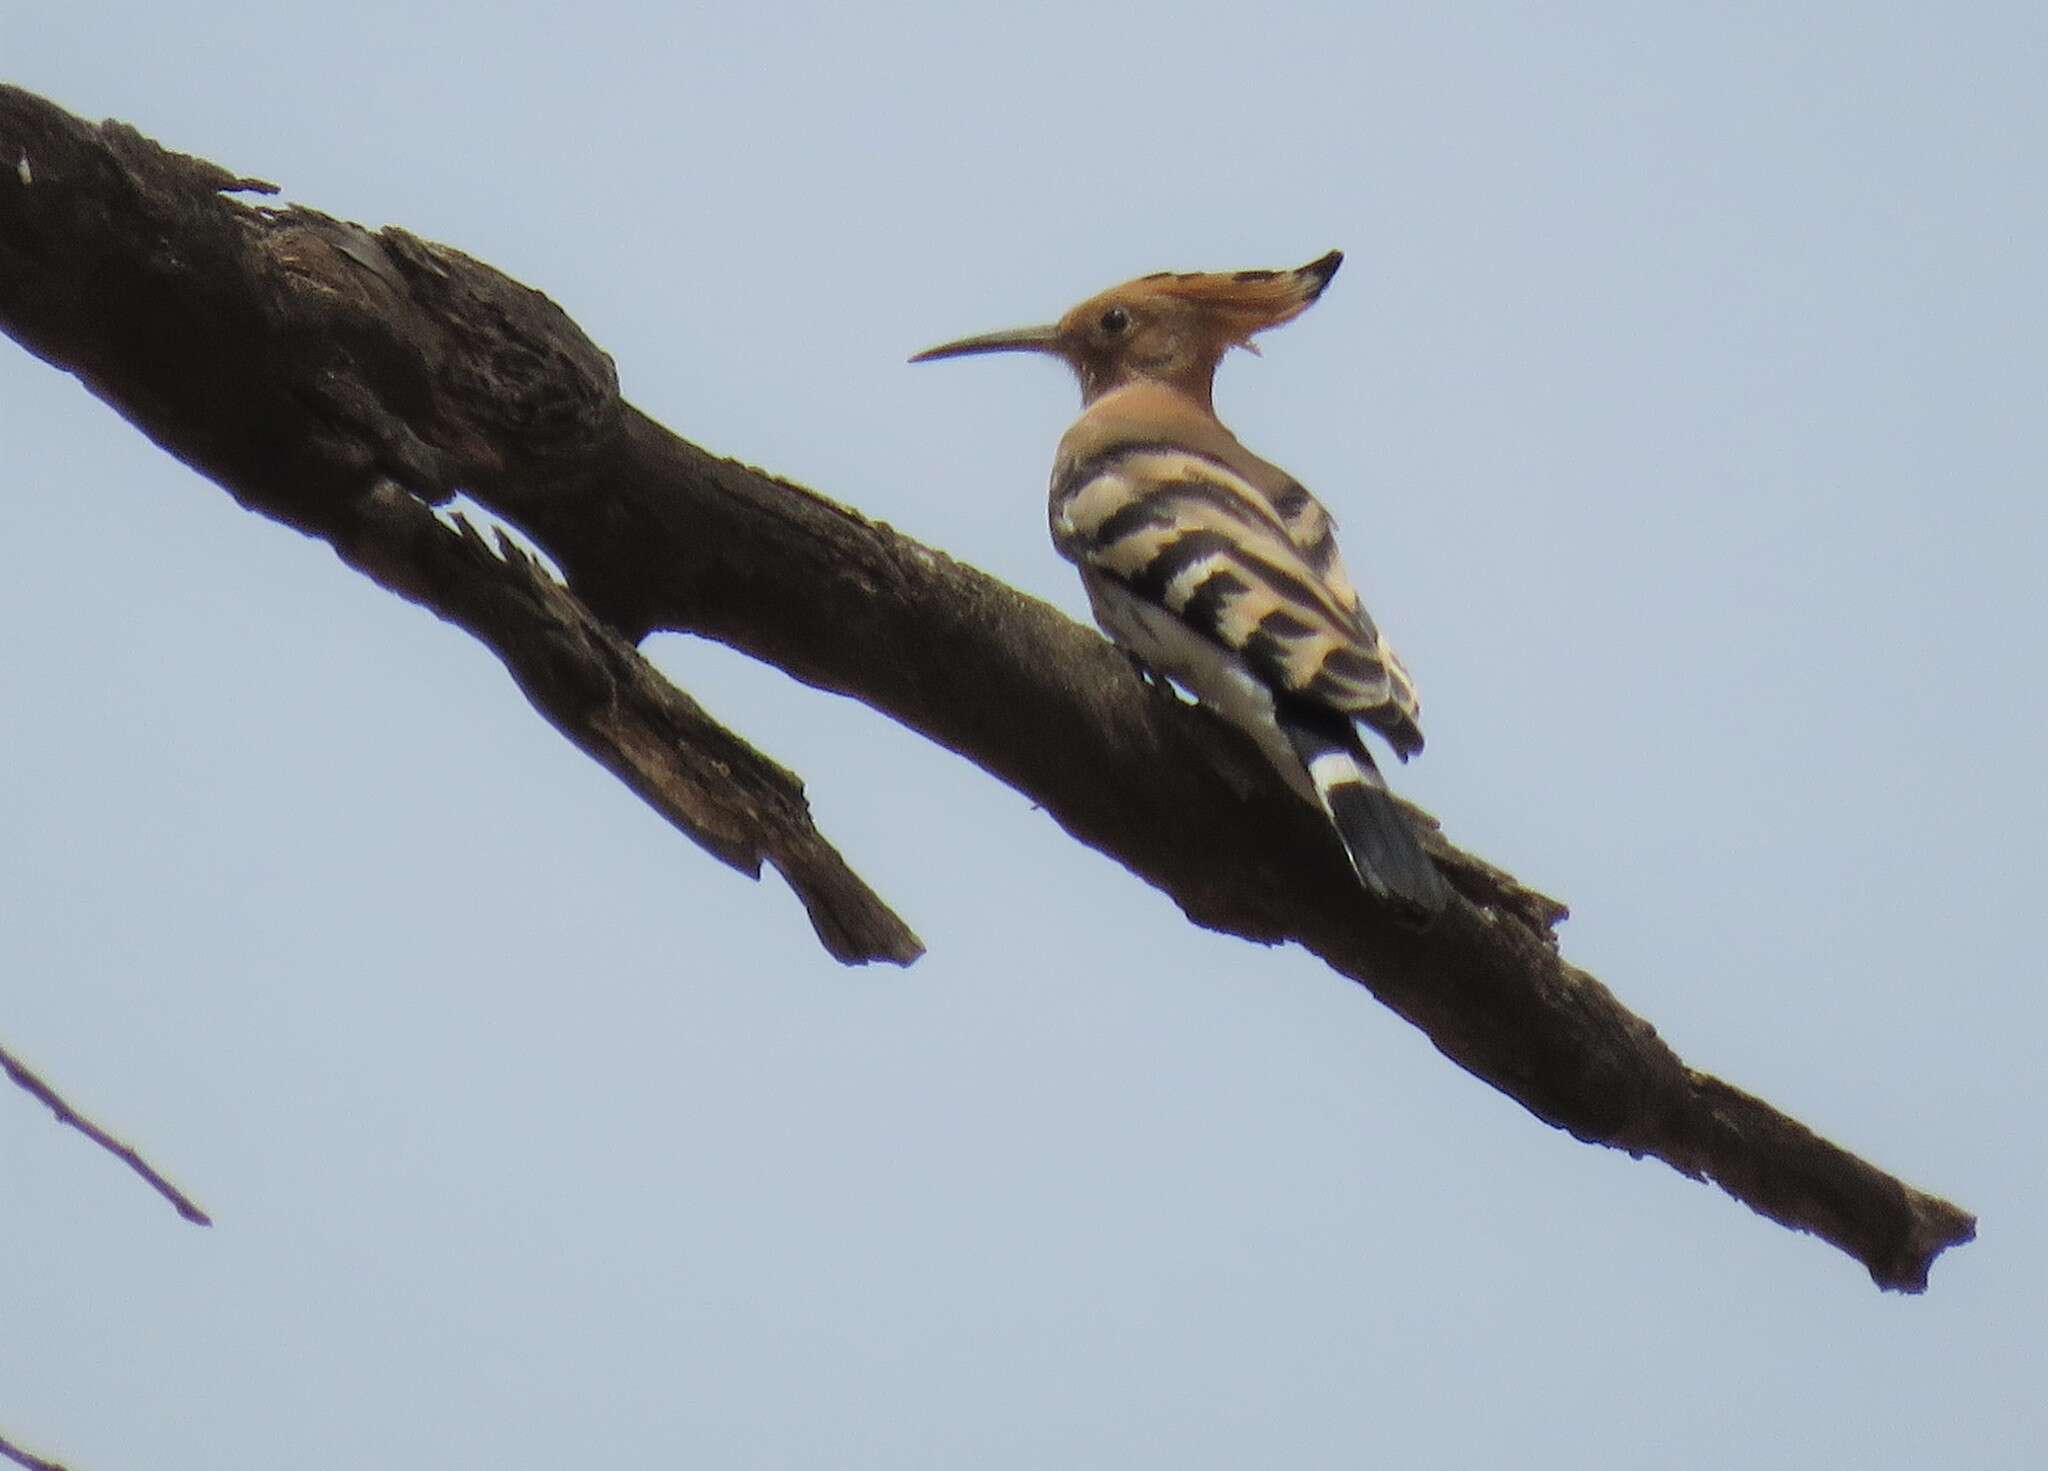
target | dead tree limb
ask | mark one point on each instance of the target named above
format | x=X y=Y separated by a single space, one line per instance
x=338 y=379
x=595 y=687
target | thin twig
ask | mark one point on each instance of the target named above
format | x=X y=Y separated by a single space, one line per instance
x=66 y=1114
x=19 y=1456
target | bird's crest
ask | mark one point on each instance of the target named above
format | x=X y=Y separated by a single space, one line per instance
x=1169 y=328
x=1241 y=303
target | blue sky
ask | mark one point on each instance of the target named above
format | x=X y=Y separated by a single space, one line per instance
x=1681 y=401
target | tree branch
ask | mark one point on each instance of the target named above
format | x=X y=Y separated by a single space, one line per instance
x=25 y=1078
x=20 y=1457
x=326 y=376
x=597 y=689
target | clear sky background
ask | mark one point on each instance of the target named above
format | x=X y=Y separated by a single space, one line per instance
x=1682 y=402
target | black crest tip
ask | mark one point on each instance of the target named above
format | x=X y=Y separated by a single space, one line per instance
x=1322 y=269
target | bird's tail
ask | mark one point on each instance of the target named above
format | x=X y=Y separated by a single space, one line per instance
x=1383 y=847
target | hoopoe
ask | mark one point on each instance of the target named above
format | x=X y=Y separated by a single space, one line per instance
x=1215 y=568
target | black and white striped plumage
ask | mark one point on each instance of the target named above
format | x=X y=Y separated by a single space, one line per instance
x=1216 y=568
x=1242 y=598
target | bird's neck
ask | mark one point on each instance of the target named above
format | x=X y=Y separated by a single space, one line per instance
x=1149 y=411
x=1195 y=385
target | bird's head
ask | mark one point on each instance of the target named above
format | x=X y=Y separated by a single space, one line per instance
x=1164 y=328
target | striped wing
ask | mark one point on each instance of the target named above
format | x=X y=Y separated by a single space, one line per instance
x=1182 y=531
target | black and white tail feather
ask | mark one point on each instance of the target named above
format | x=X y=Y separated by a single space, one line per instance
x=1383 y=848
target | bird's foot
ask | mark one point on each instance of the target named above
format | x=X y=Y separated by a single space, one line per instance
x=1153 y=680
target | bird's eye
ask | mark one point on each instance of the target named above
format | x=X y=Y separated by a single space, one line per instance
x=1115 y=320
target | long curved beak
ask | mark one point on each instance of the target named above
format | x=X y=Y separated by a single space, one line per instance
x=1016 y=339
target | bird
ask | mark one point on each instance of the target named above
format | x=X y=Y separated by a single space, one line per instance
x=1217 y=569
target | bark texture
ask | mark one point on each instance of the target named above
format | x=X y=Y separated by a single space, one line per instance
x=344 y=381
